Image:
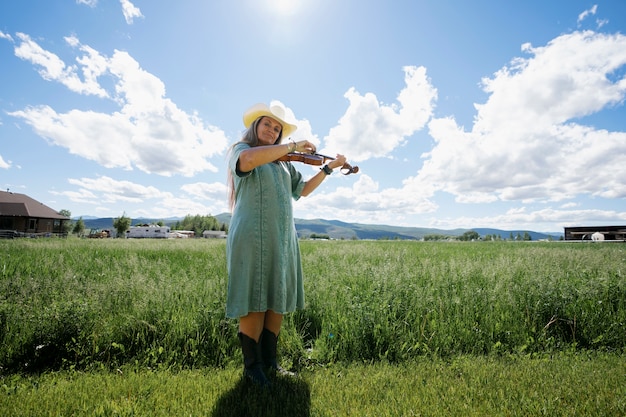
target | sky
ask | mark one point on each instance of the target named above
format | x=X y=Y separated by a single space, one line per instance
x=459 y=114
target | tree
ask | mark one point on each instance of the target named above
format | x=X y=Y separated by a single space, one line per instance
x=121 y=224
x=79 y=227
x=435 y=236
x=198 y=224
x=469 y=236
x=67 y=226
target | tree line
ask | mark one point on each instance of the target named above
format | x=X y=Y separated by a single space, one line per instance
x=197 y=223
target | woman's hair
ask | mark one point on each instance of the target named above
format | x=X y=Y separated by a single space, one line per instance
x=250 y=137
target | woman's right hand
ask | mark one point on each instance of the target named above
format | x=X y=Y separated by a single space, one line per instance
x=304 y=146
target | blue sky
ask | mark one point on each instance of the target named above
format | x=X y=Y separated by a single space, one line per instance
x=459 y=114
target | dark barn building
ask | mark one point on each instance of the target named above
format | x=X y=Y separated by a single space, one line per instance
x=617 y=233
x=21 y=215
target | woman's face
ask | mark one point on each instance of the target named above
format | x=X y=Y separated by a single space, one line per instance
x=268 y=131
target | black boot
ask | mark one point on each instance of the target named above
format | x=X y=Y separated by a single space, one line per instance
x=252 y=361
x=269 y=341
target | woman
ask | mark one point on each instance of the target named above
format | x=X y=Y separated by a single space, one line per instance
x=264 y=269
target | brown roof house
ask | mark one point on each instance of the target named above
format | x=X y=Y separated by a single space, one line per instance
x=21 y=215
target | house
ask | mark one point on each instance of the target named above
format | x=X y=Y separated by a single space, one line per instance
x=21 y=215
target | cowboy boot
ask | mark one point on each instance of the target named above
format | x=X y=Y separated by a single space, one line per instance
x=269 y=342
x=252 y=360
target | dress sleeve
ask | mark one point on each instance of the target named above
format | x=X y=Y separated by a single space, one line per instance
x=297 y=183
x=233 y=161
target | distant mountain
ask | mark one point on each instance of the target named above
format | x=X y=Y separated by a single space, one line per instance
x=336 y=229
x=340 y=230
x=506 y=234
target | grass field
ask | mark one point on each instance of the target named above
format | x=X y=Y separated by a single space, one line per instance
x=137 y=327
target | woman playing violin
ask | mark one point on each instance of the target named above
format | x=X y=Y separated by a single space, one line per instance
x=265 y=279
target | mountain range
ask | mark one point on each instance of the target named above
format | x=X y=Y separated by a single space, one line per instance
x=341 y=230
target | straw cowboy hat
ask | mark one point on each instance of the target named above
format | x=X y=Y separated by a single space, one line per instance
x=275 y=112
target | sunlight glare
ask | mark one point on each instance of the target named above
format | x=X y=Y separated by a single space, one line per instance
x=284 y=8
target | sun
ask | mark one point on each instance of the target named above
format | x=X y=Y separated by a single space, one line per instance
x=284 y=8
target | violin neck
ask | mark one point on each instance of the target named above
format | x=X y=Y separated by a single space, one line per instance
x=325 y=157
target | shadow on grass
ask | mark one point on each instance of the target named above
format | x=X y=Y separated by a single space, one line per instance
x=288 y=396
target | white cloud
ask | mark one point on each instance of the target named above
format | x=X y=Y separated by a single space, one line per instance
x=108 y=190
x=5 y=36
x=304 y=131
x=149 y=131
x=548 y=219
x=370 y=129
x=3 y=164
x=592 y=11
x=206 y=191
x=90 y=3
x=52 y=68
x=130 y=11
x=364 y=201
x=146 y=200
x=528 y=142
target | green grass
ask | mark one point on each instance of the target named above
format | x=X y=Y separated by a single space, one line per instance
x=563 y=385
x=137 y=327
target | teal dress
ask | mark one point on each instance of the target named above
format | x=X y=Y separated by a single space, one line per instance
x=263 y=255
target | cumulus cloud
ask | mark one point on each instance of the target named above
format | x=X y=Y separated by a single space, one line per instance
x=366 y=201
x=371 y=129
x=550 y=219
x=529 y=141
x=206 y=191
x=52 y=68
x=108 y=190
x=149 y=201
x=148 y=132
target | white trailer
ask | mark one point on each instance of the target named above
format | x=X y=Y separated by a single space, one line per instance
x=152 y=231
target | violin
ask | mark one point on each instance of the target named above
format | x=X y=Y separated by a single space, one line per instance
x=317 y=159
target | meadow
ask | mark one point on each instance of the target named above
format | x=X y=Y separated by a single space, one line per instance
x=137 y=327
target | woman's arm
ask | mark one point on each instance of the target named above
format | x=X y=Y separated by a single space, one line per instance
x=260 y=155
x=317 y=179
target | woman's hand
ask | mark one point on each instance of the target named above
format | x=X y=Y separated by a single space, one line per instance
x=304 y=146
x=337 y=162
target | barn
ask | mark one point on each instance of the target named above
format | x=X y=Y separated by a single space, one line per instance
x=609 y=233
x=21 y=215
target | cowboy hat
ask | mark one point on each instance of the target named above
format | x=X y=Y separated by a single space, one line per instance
x=275 y=112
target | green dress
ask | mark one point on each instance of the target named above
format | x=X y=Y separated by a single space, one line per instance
x=263 y=255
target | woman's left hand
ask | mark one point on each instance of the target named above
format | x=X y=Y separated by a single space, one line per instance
x=337 y=162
